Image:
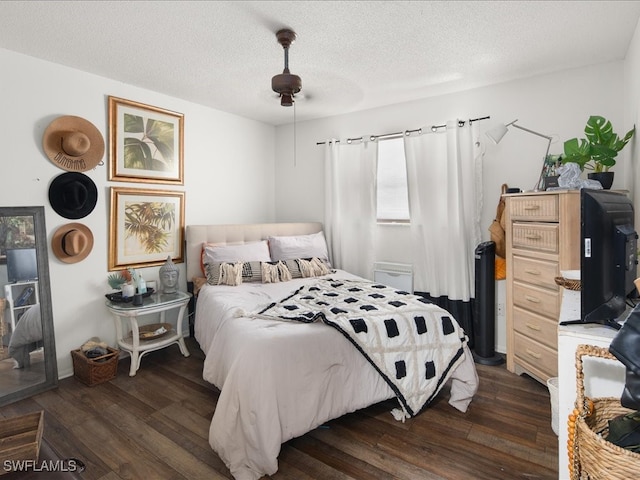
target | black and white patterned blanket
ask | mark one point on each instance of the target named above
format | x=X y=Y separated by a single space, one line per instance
x=414 y=344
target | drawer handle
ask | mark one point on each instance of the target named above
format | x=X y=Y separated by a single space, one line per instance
x=533 y=236
x=534 y=327
x=532 y=272
x=532 y=207
x=533 y=354
x=532 y=299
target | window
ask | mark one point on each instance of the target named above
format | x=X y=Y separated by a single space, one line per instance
x=392 y=191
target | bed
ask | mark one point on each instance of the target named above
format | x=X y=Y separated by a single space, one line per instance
x=281 y=375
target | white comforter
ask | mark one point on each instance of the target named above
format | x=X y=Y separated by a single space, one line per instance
x=26 y=335
x=278 y=379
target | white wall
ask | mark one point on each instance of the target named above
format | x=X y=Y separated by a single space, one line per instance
x=229 y=177
x=632 y=116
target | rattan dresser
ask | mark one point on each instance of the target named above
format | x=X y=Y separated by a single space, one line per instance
x=542 y=238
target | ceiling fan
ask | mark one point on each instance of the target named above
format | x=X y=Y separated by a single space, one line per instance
x=286 y=84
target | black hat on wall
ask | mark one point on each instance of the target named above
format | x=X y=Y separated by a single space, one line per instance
x=73 y=195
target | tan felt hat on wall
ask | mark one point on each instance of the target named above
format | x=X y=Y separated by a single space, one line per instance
x=73 y=144
x=72 y=242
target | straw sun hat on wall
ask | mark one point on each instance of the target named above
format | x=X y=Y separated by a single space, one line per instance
x=73 y=144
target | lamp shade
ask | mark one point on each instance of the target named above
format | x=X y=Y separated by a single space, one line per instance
x=497 y=132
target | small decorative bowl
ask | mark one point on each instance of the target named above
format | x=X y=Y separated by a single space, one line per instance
x=154 y=330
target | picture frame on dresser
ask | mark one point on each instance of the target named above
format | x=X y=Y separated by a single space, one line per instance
x=146 y=143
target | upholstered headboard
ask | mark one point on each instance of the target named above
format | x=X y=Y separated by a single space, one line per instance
x=196 y=235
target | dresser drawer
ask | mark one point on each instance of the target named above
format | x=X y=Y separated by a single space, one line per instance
x=542 y=208
x=536 y=272
x=536 y=327
x=537 y=355
x=535 y=299
x=535 y=236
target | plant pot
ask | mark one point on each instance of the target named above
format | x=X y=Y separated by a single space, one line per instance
x=605 y=178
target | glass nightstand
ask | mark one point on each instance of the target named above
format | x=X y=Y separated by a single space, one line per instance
x=127 y=315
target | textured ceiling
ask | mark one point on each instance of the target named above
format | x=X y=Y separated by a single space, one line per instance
x=351 y=55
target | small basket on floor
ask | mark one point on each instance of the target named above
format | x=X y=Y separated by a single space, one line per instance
x=93 y=371
x=595 y=458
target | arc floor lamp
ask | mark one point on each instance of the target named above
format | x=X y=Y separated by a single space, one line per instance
x=500 y=130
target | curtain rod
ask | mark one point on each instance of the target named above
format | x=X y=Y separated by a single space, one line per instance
x=384 y=136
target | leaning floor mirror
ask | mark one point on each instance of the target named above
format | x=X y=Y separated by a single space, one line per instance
x=27 y=347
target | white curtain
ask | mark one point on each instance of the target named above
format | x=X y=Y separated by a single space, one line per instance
x=350 y=208
x=444 y=172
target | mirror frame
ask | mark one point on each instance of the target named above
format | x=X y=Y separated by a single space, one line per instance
x=46 y=312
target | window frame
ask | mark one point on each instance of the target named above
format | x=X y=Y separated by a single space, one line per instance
x=392 y=220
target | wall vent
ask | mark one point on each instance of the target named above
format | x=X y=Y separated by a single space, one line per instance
x=396 y=275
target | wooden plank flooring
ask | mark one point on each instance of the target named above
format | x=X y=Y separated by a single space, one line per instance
x=155 y=426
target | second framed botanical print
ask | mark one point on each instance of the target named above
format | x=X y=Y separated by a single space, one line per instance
x=145 y=143
x=146 y=227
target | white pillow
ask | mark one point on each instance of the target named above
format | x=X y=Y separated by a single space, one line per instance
x=245 y=252
x=299 y=246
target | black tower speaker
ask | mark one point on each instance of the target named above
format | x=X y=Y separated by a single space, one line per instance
x=484 y=315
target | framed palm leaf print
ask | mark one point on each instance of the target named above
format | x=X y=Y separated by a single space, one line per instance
x=145 y=143
x=146 y=227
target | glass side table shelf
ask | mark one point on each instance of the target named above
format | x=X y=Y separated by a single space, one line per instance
x=126 y=316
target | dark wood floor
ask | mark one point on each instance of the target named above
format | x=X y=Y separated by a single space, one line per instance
x=155 y=426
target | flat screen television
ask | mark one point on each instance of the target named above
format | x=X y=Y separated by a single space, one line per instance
x=608 y=256
x=21 y=264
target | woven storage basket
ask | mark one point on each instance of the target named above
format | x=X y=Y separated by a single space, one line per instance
x=93 y=371
x=593 y=457
x=568 y=283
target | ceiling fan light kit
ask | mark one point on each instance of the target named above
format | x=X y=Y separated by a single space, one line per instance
x=286 y=84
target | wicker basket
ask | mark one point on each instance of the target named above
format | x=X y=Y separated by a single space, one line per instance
x=568 y=283
x=148 y=332
x=593 y=457
x=93 y=371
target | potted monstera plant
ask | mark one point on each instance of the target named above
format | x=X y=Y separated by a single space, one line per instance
x=598 y=151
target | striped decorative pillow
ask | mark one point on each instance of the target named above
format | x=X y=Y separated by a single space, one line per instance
x=249 y=272
x=217 y=273
x=224 y=273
